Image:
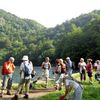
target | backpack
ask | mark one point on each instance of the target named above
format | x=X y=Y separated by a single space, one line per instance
x=70 y=66
x=28 y=70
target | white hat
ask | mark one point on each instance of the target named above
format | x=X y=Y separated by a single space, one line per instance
x=67 y=58
x=11 y=59
x=25 y=57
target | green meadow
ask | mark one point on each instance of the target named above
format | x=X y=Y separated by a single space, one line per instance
x=91 y=91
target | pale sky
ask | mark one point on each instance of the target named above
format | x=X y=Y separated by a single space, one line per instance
x=49 y=12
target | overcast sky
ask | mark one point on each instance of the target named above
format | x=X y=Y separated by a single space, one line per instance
x=49 y=12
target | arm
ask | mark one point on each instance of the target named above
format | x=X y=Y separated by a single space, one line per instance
x=42 y=66
x=49 y=65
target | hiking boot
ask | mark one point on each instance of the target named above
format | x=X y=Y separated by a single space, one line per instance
x=15 y=97
x=26 y=96
x=8 y=93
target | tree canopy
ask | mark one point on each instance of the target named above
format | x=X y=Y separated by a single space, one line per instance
x=78 y=37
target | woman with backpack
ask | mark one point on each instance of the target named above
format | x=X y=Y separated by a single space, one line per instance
x=26 y=69
x=46 y=66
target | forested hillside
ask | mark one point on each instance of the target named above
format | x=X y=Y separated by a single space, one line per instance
x=78 y=37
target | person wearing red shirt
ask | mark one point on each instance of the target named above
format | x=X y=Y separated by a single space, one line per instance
x=7 y=72
x=89 y=68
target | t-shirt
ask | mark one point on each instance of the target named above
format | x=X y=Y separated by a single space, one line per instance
x=82 y=65
x=69 y=64
x=46 y=65
x=8 y=68
x=89 y=67
x=71 y=83
x=98 y=68
x=22 y=69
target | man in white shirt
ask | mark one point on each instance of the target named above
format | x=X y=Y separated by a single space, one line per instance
x=26 y=69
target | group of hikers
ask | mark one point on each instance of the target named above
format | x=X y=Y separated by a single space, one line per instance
x=62 y=76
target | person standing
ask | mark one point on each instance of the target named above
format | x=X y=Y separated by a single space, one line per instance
x=97 y=74
x=82 y=68
x=46 y=66
x=57 y=71
x=26 y=69
x=63 y=71
x=7 y=72
x=89 y=68
x=69 y=65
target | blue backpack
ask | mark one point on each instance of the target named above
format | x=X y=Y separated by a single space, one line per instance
x=28 y=70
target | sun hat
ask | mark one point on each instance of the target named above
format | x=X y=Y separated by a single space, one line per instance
x=68 y=58
x=12 y=59
x=25 y=57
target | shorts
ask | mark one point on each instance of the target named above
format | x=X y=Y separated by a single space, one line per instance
x=90 y=74
x=46 y=73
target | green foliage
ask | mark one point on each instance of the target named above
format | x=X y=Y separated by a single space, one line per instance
x=76 y=38
x=91 y=91
x=42 y=85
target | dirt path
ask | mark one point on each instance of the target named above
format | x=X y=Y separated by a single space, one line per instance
x=32 y=95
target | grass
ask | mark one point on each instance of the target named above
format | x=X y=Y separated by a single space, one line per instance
x=91 y=91
x=42 y=85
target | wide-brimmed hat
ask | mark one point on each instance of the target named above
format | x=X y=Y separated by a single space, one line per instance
x=25 y=57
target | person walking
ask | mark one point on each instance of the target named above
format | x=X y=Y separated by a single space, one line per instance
x=63 y=71
x=26 y=69
x=57 y=71
x=46 y=66
x=7 y=72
